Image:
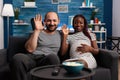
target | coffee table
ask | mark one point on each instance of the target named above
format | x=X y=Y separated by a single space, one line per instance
x=45 y=73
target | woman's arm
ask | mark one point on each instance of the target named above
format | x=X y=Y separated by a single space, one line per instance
x=94 y=48
x=86 y=48
x=64 y=45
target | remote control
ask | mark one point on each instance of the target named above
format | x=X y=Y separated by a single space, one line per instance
x=56 y=71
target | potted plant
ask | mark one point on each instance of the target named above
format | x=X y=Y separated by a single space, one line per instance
x=29 y=3
x=16 y=12
x=94 y=12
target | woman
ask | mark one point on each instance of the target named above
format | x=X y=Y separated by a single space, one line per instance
x=82 y=43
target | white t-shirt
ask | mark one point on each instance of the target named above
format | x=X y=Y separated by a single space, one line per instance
x=76 y=40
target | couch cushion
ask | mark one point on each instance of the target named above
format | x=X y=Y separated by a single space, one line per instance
x=102 y=74
x=16 y=45
x=3 y=57
x=5 y=72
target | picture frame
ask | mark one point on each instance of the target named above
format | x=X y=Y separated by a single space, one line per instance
x=55 y=1
x=64 y=1
x=62 y=8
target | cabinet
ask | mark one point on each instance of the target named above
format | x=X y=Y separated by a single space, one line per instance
x=101 y=33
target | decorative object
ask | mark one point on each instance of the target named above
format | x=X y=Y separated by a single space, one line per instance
x=55 y=1
x=99 y=22
x=8 y=12
x=87 y=2
x=16 y=12
x=94 y=12
x=29 y=3
x=62 y=8
x=97 y=28
x=64 y=1
x=84 y=3
x=96 y=20
x=91 y=21
x=91 y=4
x=102 y=28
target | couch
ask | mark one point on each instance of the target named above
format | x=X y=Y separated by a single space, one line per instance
x=107 y=60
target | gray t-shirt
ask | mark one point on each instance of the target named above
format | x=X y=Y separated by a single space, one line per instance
x=48 y=43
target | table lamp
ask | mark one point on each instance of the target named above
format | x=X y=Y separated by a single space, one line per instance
x=8 y=12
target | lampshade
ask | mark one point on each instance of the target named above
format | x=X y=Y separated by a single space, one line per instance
x=8 y=10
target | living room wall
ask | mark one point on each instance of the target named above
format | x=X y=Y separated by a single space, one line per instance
x=45 y=5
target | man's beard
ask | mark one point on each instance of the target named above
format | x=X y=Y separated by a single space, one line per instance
x=51 y=30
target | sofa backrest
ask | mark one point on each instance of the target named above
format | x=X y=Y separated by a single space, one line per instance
x=16 y=45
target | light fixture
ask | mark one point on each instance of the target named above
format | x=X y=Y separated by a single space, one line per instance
x=8 y=12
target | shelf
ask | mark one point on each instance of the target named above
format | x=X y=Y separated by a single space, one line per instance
x=101 y=42
x=21 y=24
x=99 y=31
x=28 y=6
x=98 y=24
x=87 y=7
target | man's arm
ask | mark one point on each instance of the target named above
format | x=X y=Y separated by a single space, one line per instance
x=31 y=44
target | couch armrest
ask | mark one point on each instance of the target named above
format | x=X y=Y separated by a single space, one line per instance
x=3 y=57
x=109 y=59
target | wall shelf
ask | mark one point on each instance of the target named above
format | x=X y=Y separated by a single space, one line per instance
x=100 y=42
x=99 y=31
x=101 y=37
x=28 y=6
x=20 y=24
x=87 y=6
x=101 y=34
x=95 y=24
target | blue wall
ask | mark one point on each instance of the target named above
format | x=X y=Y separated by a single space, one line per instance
x=44 y=6
x=108 y=16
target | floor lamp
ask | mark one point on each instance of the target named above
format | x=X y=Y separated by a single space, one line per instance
x=8 y=12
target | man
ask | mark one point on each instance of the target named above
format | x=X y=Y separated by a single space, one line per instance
x=43 y=46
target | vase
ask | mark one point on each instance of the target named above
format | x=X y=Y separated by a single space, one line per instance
x=16 y=20
x=87 y=2
x=29 y=4
x=97 y=28
x=91 y=21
